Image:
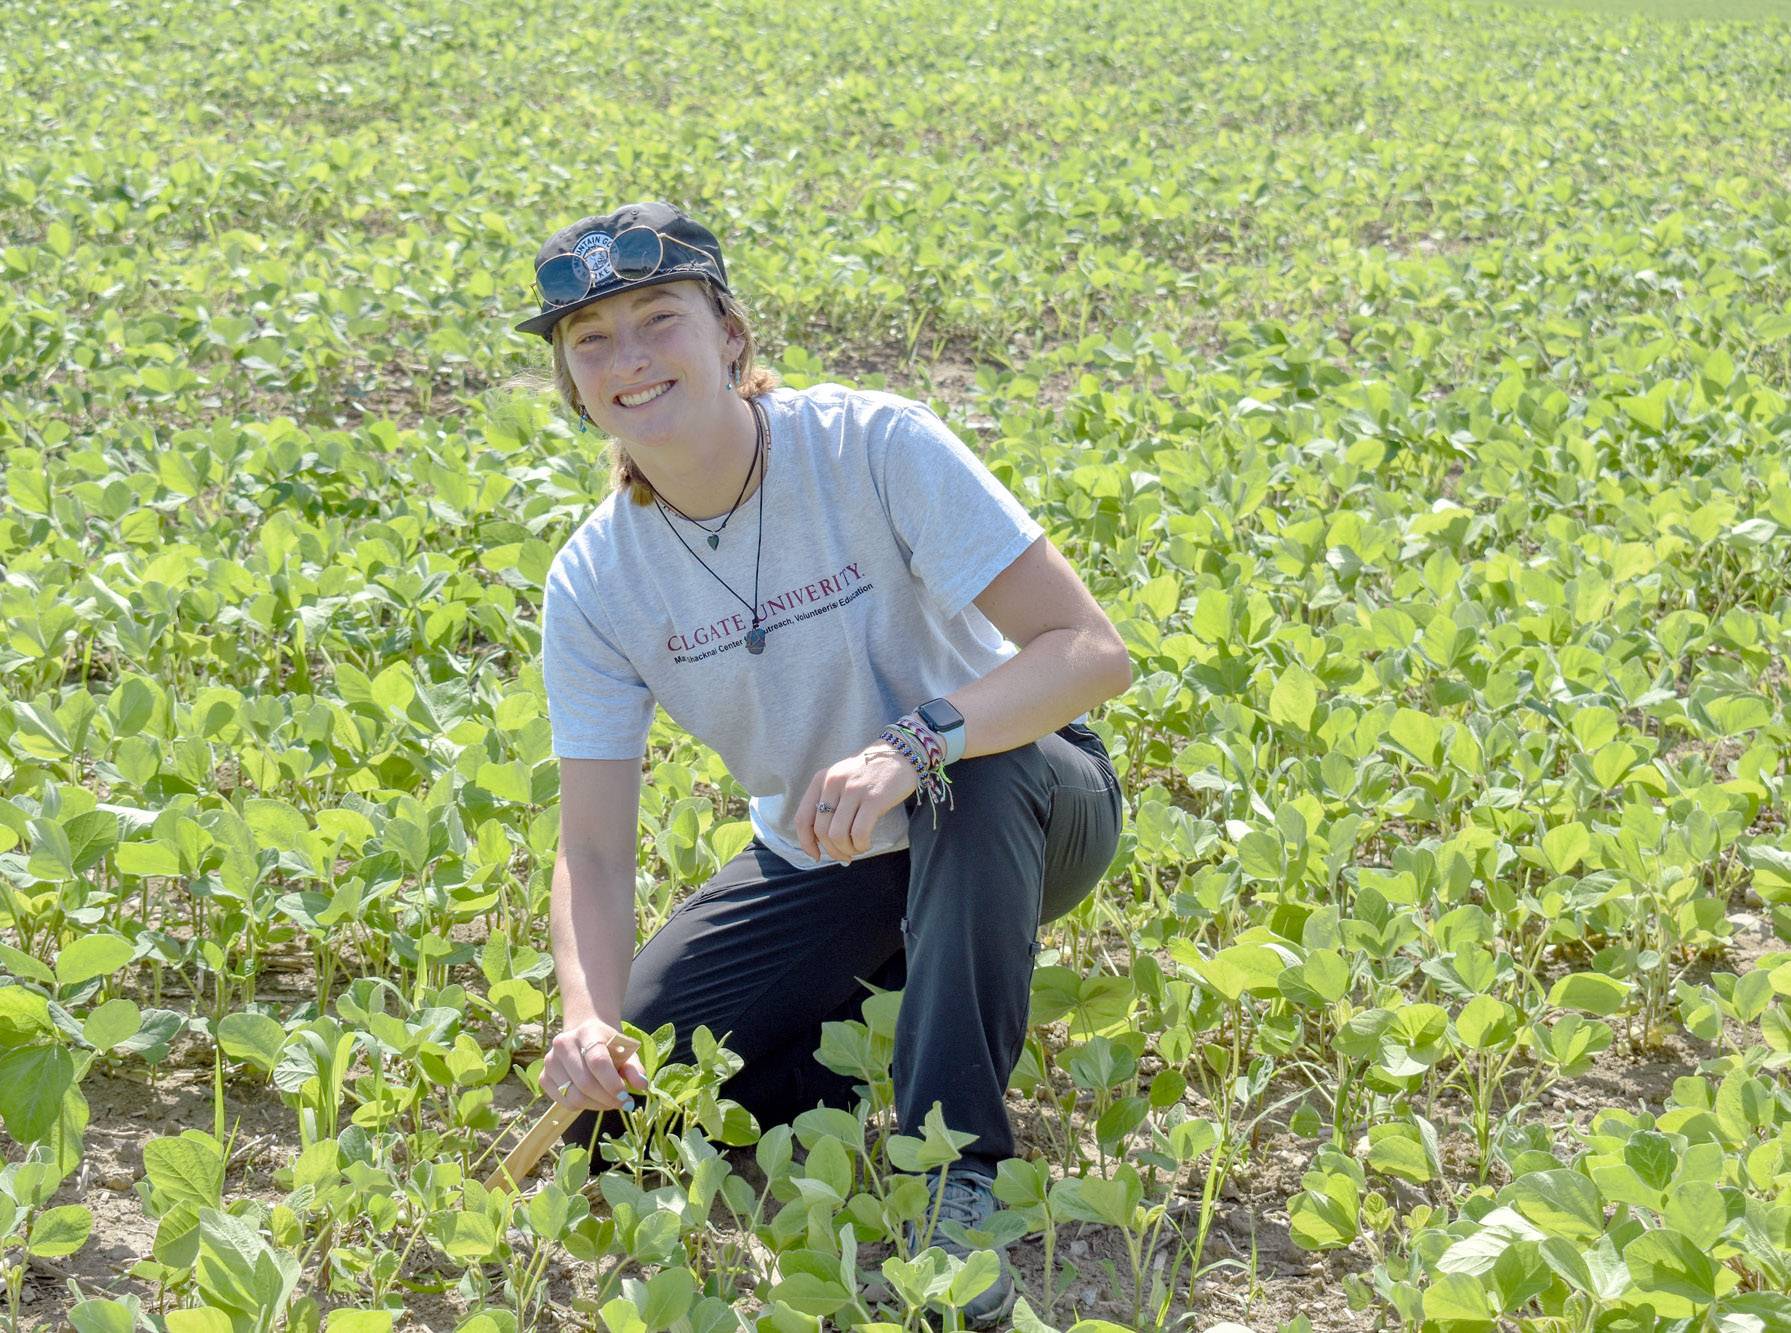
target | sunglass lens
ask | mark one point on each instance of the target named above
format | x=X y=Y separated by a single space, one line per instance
x=563 y=278
x=635 y=254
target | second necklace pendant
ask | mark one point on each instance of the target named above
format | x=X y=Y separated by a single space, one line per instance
x=714 y=540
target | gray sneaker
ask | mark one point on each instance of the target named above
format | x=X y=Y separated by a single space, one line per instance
x=970 y=1202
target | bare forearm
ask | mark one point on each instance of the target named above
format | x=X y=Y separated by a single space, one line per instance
x=591 y=911
x=1058 y=676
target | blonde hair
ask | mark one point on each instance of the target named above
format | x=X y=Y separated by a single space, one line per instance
x=750 y=381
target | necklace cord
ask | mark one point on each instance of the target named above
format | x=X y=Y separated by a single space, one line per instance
x=744 y=481
x=761 y=443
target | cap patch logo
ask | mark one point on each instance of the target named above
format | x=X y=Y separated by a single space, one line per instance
x=594 y=247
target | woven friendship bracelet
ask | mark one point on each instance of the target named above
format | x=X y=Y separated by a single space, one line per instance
x=924 y=736
x=915 y=742
x=908 y=745
x=935 y=747
x=914 y=745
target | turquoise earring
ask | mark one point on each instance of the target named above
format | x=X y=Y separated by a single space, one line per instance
x=583 y=421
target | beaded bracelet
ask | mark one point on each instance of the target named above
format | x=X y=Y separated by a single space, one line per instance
x=914 y=741
x=909 y=746
x=933 y=783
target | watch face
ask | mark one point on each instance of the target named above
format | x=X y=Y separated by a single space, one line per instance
x=940 y=715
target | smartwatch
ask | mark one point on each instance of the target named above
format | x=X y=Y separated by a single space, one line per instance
x=947 y=724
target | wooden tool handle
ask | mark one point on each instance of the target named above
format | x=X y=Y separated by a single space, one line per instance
x=514 y=1169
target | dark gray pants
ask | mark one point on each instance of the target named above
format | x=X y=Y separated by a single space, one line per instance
x=765 y=953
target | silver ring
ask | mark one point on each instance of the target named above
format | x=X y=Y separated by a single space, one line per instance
x=825 y=808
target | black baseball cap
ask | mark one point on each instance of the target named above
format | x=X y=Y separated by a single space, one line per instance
x=688 y=250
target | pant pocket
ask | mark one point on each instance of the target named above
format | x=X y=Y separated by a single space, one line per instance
x=1080 y=841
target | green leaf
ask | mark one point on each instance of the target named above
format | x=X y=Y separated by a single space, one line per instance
x=32 y=1083
x=190 y=1167
x=1565 y=1260
x=828 y=1163
x=1259 y=855
x=393 y=688
x=1324 y=1216
x=1026 y=1320
x=1650 y=410
x=1665 y=1264
x=1566 y=846
x=518 y=1000
x=1213 y=615
x=92 y=956
x=1458 y=1300
x=253 y=1038
x=1754 y=1312
x=115 y=1021
x=1697 y=1211
x=1590 y=993
x=939 y=1146
x=276 y=824
x=237 y=1268
x=176 y=1241
x=466 y=1237
x=52 y=857
x=1112 y=1200
x=1563 y=1203
x=60 y=1231
x=1397 y=1149
x=24 y=1014
x=23 y=965
x=1419 y=735
x=1324 y=973
x=1519 y=1274
x=1486 y=1024
x=358 y=1321
x=147 y=858
x=728 y=840
x=1294 y=700
x=1650 y=1155
x=202 y=1320
x=978 y=1273
x=91 y=835
x=912 y=1279
x=507 y=782
x=103 y=1316
x=620 y=1316
x=1191 y=1138
x=811 y=1293
x=669 y=1294
x=1743 y=1104
x=1253 y=969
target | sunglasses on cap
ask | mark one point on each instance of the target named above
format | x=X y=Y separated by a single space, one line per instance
x=634 y=254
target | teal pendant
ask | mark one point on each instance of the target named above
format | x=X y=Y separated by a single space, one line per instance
x=714 y=540
x=755 y=641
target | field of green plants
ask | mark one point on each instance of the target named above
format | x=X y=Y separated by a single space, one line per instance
x=1410 y=380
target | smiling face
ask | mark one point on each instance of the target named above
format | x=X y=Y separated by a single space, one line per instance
x=651 y=365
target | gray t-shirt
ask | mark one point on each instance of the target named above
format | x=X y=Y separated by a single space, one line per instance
x=880 y=528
